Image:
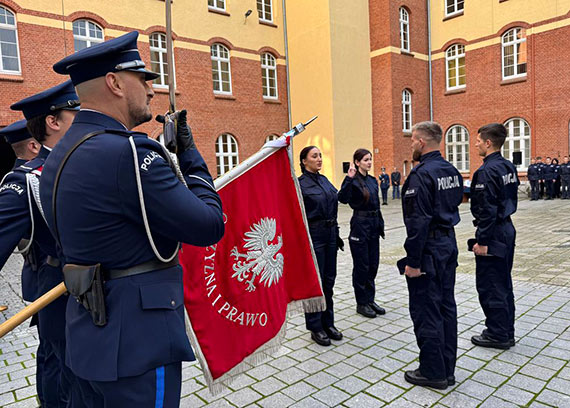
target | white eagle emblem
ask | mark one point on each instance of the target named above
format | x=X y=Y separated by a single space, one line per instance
x=263 y=258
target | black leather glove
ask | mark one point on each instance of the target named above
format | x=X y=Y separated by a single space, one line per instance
x=339 y=243
x=184 y=138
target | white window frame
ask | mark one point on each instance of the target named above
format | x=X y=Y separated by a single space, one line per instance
x=268 y=65
x=87 y=38
x=406 y=111
x=225 y=159
x=524 y=141
x=516 y=43
x=262 y=6
x=459 y=144
x=404 y=30
x=271 y=138
x=11 y=27
x=458 y=51
x=215 y=5
x=163 y=60
x=456 y=5
x=218 y=60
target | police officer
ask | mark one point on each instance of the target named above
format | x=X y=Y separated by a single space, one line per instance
x=49 y=114
x=431 y=196
x=549 y=176
x=494 y=200
x=384 y=185
x=564 y=178
x=396 y=178
x=360 y=191
x=556 y=184
x=541 y=166
x=533 y=174
x=125 y=213
x=321 y=207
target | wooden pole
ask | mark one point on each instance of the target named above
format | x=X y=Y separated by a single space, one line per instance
x=31 y=309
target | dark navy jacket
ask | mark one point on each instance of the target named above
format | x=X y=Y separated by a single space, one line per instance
x=384 y=181
x=362 y=227
x=396 y=176
x=493 y=195
x=431 y=195
x=321 y=204
x=565 y=171
x=549 y=172
x=103 y=223
x=533 y=172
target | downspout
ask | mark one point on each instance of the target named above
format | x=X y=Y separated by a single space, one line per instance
x=429 y=61
x=287 y=62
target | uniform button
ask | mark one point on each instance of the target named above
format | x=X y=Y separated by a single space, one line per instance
x=173 y=303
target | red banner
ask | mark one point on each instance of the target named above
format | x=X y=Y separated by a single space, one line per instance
x=237 y=292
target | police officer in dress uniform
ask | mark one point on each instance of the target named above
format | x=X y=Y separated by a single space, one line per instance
x=125 y=213
x=540 y=165
x=431 y=197
x=384 y=185
x=494 y=200
x=321 y=208
x=360 y=191
x=549 y=176
x=49 y=114
x=564 y=178
x=533 y=175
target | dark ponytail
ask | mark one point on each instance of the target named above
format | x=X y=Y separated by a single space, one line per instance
x=359 y=155
x=303 y=155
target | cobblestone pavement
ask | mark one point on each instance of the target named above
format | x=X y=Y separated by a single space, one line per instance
x=366 y=368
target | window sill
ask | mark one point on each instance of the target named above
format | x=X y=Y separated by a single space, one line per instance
x=454 y=15
x=268 y=23
x=513 y=80
x=407 y=133
x=11 y=77
x=220 y=12
x=164 y=90
x=224 y=96
x=272 y=101
x=455 y=91
x=408 y=53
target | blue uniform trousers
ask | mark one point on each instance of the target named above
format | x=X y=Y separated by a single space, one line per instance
x=384 y=194
x=324 y=244
x=433 y=309
x=395 y=192
x=156 y=388
x=40 y=357
x=495 y=287
x=549 y=185
x=365 y=259
x=564 y=187
x=534 y=190
x=56 y=378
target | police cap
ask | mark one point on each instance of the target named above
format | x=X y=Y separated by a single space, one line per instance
x=61 y=96
x=118 y=54
x=16 y=132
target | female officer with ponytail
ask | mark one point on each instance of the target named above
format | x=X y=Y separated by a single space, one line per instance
x=360 y=191
x=321 y=207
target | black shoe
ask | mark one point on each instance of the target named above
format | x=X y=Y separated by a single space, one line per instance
x=451 y=380
x=321 y=338
x=365 y=310
x=416 y=378
x=379 y=310
x=486 y=341
x=384 y=203
x=333 y=333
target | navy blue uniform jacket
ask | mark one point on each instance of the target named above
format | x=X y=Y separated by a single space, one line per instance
x=533 y=172
x=431 y=194
x=103 y=223
x=321 y=203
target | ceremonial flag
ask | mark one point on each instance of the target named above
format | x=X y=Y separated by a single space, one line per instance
x=239 y=292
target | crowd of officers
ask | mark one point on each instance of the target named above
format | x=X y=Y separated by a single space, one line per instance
x=549 y=179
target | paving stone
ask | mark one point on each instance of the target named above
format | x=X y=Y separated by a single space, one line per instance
x=422 y=396
x=457 y=399
x=548 y=362
x=283 y=362
x=469 y=363
x=276 y=401
x=385 y=391
x=243 y=397
x=539 y=372
x=268 y=386
x=351 y=385
x=554 y=398
x=331 y=396
x=7 y=398
x=514 y=395
x=299 y=390
x=321 y=380
x=489 y=378
x=262 y=371
x=494 y=402
x=291 y=375
x=362 y=400
x=475 y=389
x=312 y=366
x=191 y=401
x=371 y=374
x=525 y=382
x=341 y=370
x=501 y=367
x=560 y=385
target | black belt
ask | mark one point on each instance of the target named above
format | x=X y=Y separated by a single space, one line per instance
x=53 y=261
x=322 y=223
x=441 y=232
x=360 y=213
x=145 y=267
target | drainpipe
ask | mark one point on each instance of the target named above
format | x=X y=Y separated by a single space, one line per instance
x=287 y=62
x=429 y=61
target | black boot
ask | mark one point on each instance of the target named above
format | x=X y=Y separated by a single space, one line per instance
x=321 y=338
x=379 y=310
x=365 y=310
x=489 y=342
x=333 y=333
x=416 y=378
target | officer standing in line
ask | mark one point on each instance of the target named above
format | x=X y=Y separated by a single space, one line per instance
x=431 y=197
x=540 y=176
x=556 y=184
x=125 y=213
x=321 y=207
x=533 y=175
x=493 y=201
x=396 y=178
x=564 y=178
x=384 y=185
x=49 y=114
x=549 y=176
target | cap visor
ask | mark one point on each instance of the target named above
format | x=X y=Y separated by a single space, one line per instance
x=149 y=75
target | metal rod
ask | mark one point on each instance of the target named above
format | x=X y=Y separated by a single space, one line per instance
x=170 y=58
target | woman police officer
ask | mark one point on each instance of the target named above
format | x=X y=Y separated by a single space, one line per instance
x=360 y=191
x=321 y=207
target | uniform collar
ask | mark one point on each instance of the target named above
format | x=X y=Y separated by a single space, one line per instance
x=94 y=117
x=19 y=162
x=429 y=156
x=44 y=152
x=493 y=156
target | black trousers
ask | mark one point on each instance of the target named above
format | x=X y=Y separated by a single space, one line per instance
x=433 y=309
x=495 y=286
x=534 y=190
x=365 y=259
x=564 y=187
x=325 y=246
x=385 y=194
x=549 y=186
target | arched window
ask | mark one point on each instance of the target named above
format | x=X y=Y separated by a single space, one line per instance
x=455 y=63
x=264 y=11
x=406 y=111
x=158 y=60
x=514 y=53
x=404 y=30
x=227 y=156
x=221 y=73
x=518 y=140
x=9 y=53
x=457 y=147
x=269 y=76
x=85 y=34
x=271 y=138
